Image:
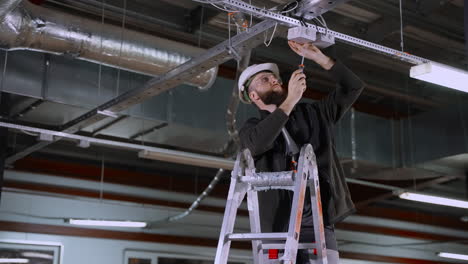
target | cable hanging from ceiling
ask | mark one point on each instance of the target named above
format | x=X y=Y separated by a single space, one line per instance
x=193 y=206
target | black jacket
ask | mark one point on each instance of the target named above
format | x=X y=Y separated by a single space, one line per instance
x=308 y=123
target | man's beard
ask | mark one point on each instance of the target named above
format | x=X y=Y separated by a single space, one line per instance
x=274 y=97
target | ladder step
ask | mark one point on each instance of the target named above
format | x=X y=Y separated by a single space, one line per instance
x=282 y=178
x=281 y=246
x=257 y=236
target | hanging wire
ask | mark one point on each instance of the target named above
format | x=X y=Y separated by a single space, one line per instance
x=3 y=75
x=291 y=9
x=322 y=21
x=463 y=123
x=223 y=8
x=394 y=149
x=101 y=187
x=193 y=206
x=271 y=38
x=4 y=71
x=229 y=29
x=410 y=140
x=401 y=28
x=200 y=29
x=251 y=15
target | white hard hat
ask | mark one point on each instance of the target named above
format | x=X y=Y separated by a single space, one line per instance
x=248 y=73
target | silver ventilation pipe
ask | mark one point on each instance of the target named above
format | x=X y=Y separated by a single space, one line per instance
x=6 y=6
x=30 y=27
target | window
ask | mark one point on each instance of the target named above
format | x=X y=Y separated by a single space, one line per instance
x=30 y=252
x=176 y=260
x=139 y=261
x=142 y=257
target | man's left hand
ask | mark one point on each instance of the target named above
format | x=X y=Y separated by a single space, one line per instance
x=311 y=52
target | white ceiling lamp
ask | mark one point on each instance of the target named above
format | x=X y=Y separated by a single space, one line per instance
x=107 y=223
x=14 y=260
x=452 y=256
x=37 y=255
x=433 y=199
x=441 y=74
x=187 y=158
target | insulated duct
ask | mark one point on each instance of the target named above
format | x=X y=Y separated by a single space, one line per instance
x=6 y=6
x=31 y=27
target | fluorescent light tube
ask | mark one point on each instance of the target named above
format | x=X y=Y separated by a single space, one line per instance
x=14 y=260
x=433 y=199
x=452 y=255
x=441 y=74
x=188 y=159
x=37 y=255
x=88 y=222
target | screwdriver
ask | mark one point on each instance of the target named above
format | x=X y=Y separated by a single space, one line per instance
x=302 y=66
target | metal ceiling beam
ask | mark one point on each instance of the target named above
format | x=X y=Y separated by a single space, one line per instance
x=292 y=22
x=168 y=155
x=205 y=160
x=219 y=54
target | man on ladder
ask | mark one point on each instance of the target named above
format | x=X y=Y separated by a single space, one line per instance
x=284 y=126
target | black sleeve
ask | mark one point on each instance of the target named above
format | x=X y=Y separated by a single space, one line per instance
x=348 y=89
x=259 y=135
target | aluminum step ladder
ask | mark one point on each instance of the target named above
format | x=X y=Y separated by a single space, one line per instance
x=244 y=180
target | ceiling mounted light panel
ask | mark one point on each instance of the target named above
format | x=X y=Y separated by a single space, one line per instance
x=441 y=74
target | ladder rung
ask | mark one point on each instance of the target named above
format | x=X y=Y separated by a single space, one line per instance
x=282 y=178
x=267 y=188
x=257 y=236
x=281 y=246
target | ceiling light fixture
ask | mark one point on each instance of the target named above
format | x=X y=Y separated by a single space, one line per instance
x=37 y=255
x=441 y=74
x=187 y=158
x=14 y=260
x=452 y=255
x=433 y=199
x=89 y=222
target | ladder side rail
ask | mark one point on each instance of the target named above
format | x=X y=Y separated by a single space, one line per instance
x=316 y=204
x=255 y=227
x=236 y=194
x=253 y=207
x=295 y=220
